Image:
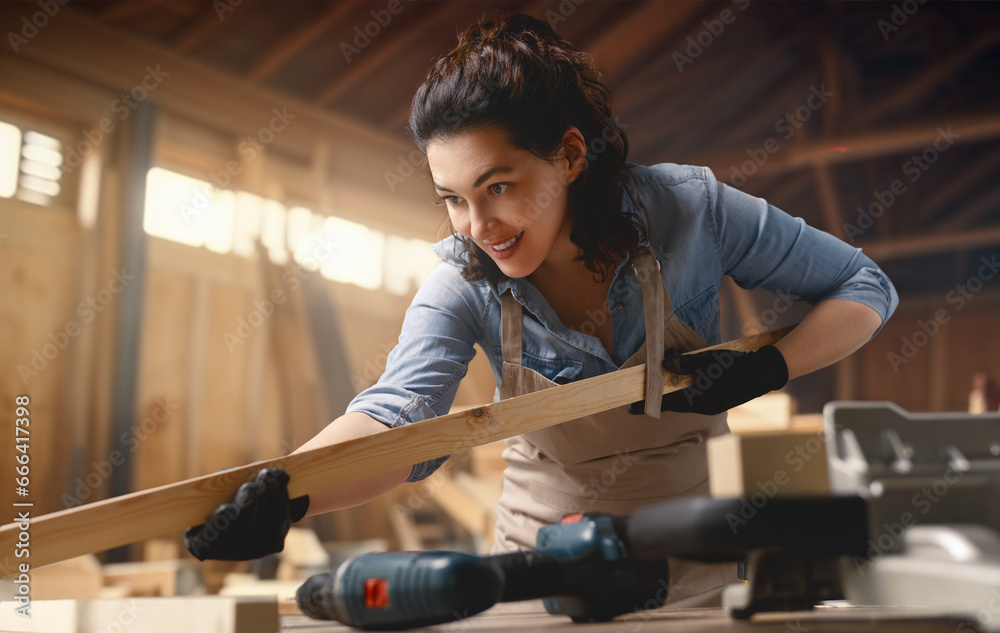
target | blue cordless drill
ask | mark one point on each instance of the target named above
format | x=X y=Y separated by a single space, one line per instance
x=592 y=567
x=581 y=567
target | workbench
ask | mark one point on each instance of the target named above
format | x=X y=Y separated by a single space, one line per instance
x=530 y=616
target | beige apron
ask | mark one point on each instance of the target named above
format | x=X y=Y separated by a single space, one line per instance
x=611 y=462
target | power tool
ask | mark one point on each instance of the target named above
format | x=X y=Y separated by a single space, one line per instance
x=591 y=567
x=582 y=567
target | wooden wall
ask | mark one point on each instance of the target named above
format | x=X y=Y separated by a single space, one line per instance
x=927 y=364
x=201 y=405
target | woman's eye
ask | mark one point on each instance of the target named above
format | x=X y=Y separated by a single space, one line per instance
x=498 y=188
x=452 y=200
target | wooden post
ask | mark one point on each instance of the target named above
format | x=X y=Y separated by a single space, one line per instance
x=169 y=509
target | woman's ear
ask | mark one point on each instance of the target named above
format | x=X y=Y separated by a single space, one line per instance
x=574 y=149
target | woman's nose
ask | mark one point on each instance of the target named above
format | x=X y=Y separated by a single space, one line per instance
x=482 y=221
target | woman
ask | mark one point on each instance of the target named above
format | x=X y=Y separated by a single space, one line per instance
x=568 y=262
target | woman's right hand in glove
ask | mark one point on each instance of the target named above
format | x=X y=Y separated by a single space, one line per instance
x=253 y=524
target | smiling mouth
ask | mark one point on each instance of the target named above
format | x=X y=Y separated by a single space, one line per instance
x=508 y=243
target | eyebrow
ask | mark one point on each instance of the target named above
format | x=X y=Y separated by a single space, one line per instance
x=499 y=169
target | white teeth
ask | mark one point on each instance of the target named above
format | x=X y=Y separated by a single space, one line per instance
x=508 y=243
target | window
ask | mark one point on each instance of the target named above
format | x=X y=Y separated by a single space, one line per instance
x=30 y=165
x=194 y=212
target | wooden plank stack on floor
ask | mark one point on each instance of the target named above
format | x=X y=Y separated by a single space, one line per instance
x=204 y=614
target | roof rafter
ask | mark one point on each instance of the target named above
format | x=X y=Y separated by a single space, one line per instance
x=930 y=78
x=386 y=50
x=866 y=145
x=279 y=54
x=916 y=245
x=205 y=23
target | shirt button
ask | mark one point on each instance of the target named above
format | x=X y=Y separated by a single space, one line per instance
x=619 y=305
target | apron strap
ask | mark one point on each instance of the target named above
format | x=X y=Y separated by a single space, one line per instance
x=656 y=303
x=511 y=315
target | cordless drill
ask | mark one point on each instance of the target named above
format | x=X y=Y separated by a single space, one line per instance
x=582 y=567
x=590 y=567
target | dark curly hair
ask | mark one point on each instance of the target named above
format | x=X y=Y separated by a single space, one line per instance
x=514 y=72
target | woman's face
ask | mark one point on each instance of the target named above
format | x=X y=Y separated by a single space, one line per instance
x=507 y=200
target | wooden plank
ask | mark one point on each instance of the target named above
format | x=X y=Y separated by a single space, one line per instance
x=769 y=463
x=770 y=412
x=206 y=614
x=283 y=591
x=168 y=509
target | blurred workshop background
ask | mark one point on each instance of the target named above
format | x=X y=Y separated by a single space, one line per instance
x=212 y=219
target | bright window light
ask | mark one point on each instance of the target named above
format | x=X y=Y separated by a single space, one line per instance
x=188 y=210
x=272 y=231
x=10 y=157
x=407 y=263
x=247 y=223
x=351 y=253
x=193 y=212
x=40 y=172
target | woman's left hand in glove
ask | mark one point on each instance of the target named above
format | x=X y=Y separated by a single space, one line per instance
x=723 y=379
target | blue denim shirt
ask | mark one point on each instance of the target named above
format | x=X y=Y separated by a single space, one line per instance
x=700 y=230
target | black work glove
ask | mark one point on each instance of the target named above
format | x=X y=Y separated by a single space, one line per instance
x=723 y=379
x=253 y=524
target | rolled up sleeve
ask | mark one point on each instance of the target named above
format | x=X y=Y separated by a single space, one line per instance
x=422 y=374
x=762 y=246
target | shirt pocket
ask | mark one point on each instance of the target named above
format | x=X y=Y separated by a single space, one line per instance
x=559 y=370
x=701 y=313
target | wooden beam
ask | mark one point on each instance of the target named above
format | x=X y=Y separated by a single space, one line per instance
x=286 y=48
x=828 y=202
x=124 y=10
x=206 y=23
x=988 y=203
x=831 y=63
x=936 y=243
x=931 y=78
x=83 y=48
x=861 y=146
x=966 y=179
x=170 y=509
x=643 y=27
x=388 y=50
